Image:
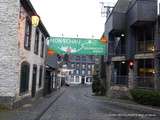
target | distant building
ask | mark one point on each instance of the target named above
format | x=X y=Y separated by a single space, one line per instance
x=81 y=68
x=22 y=53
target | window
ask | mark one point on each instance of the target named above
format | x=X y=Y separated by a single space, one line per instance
x=77 y=78
x=36 y=44
x=42 y=46
x=72 y=78
x=77 y=71
x=72 y=72
x=91 y=57
x=89 y=66
x=158 y=68
x=40 y=76
x=72 y=65
x=83 y=58
x=146 y=67
x=89 y=72
x=145 y=73
x=92 y=66
x=119 y=44
x=88 y=79
x=78 y=65
x=28 y=31
x=83 y=72
x=145 y=39
x=83 y=66
x=24 y=78
x=77 y=58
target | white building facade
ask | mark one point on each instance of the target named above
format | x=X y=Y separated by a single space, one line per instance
x=22 y=52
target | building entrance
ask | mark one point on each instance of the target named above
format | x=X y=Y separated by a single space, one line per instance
x=33 y=91
x=83 y=80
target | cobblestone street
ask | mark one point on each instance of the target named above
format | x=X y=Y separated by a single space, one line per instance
x=77 y=104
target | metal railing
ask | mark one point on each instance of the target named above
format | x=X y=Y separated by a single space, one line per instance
x=118 y=50
x=120 y=80
x=145 y=82
x=145 y=46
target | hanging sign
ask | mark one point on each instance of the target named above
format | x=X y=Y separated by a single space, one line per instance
x=77 y=46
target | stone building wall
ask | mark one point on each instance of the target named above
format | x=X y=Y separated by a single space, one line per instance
x=13 y=53
x=9 y=52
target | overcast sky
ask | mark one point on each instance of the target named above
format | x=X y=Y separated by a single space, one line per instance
x=72 y=17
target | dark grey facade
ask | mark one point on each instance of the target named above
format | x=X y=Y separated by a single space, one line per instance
x=133 y=32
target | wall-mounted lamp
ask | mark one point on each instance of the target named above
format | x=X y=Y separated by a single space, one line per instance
x=153 y=49
x=122 y=35
x=35 y=21
x=153 y=71
x=123 y=62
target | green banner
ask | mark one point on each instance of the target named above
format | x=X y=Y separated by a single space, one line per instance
x=78 y=46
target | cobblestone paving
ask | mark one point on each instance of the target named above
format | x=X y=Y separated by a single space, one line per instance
x=75 y=105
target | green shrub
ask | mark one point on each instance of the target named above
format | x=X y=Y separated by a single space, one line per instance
x=96 y=86
x=146 y=97
x=3 y=108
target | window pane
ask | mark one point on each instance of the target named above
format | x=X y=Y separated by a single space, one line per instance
x=77 y=78
x=42 y=47
x=28 y=29
x=36 y=44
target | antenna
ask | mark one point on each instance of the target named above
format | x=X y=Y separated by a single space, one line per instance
x=106 y=8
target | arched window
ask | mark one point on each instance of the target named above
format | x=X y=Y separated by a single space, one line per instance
x=24 y=78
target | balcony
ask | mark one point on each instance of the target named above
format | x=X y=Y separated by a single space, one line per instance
x=116 y=50
x=120 y=50
x=141 y=11
x=116 y=21
x=145 y=46
x=145 y=82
